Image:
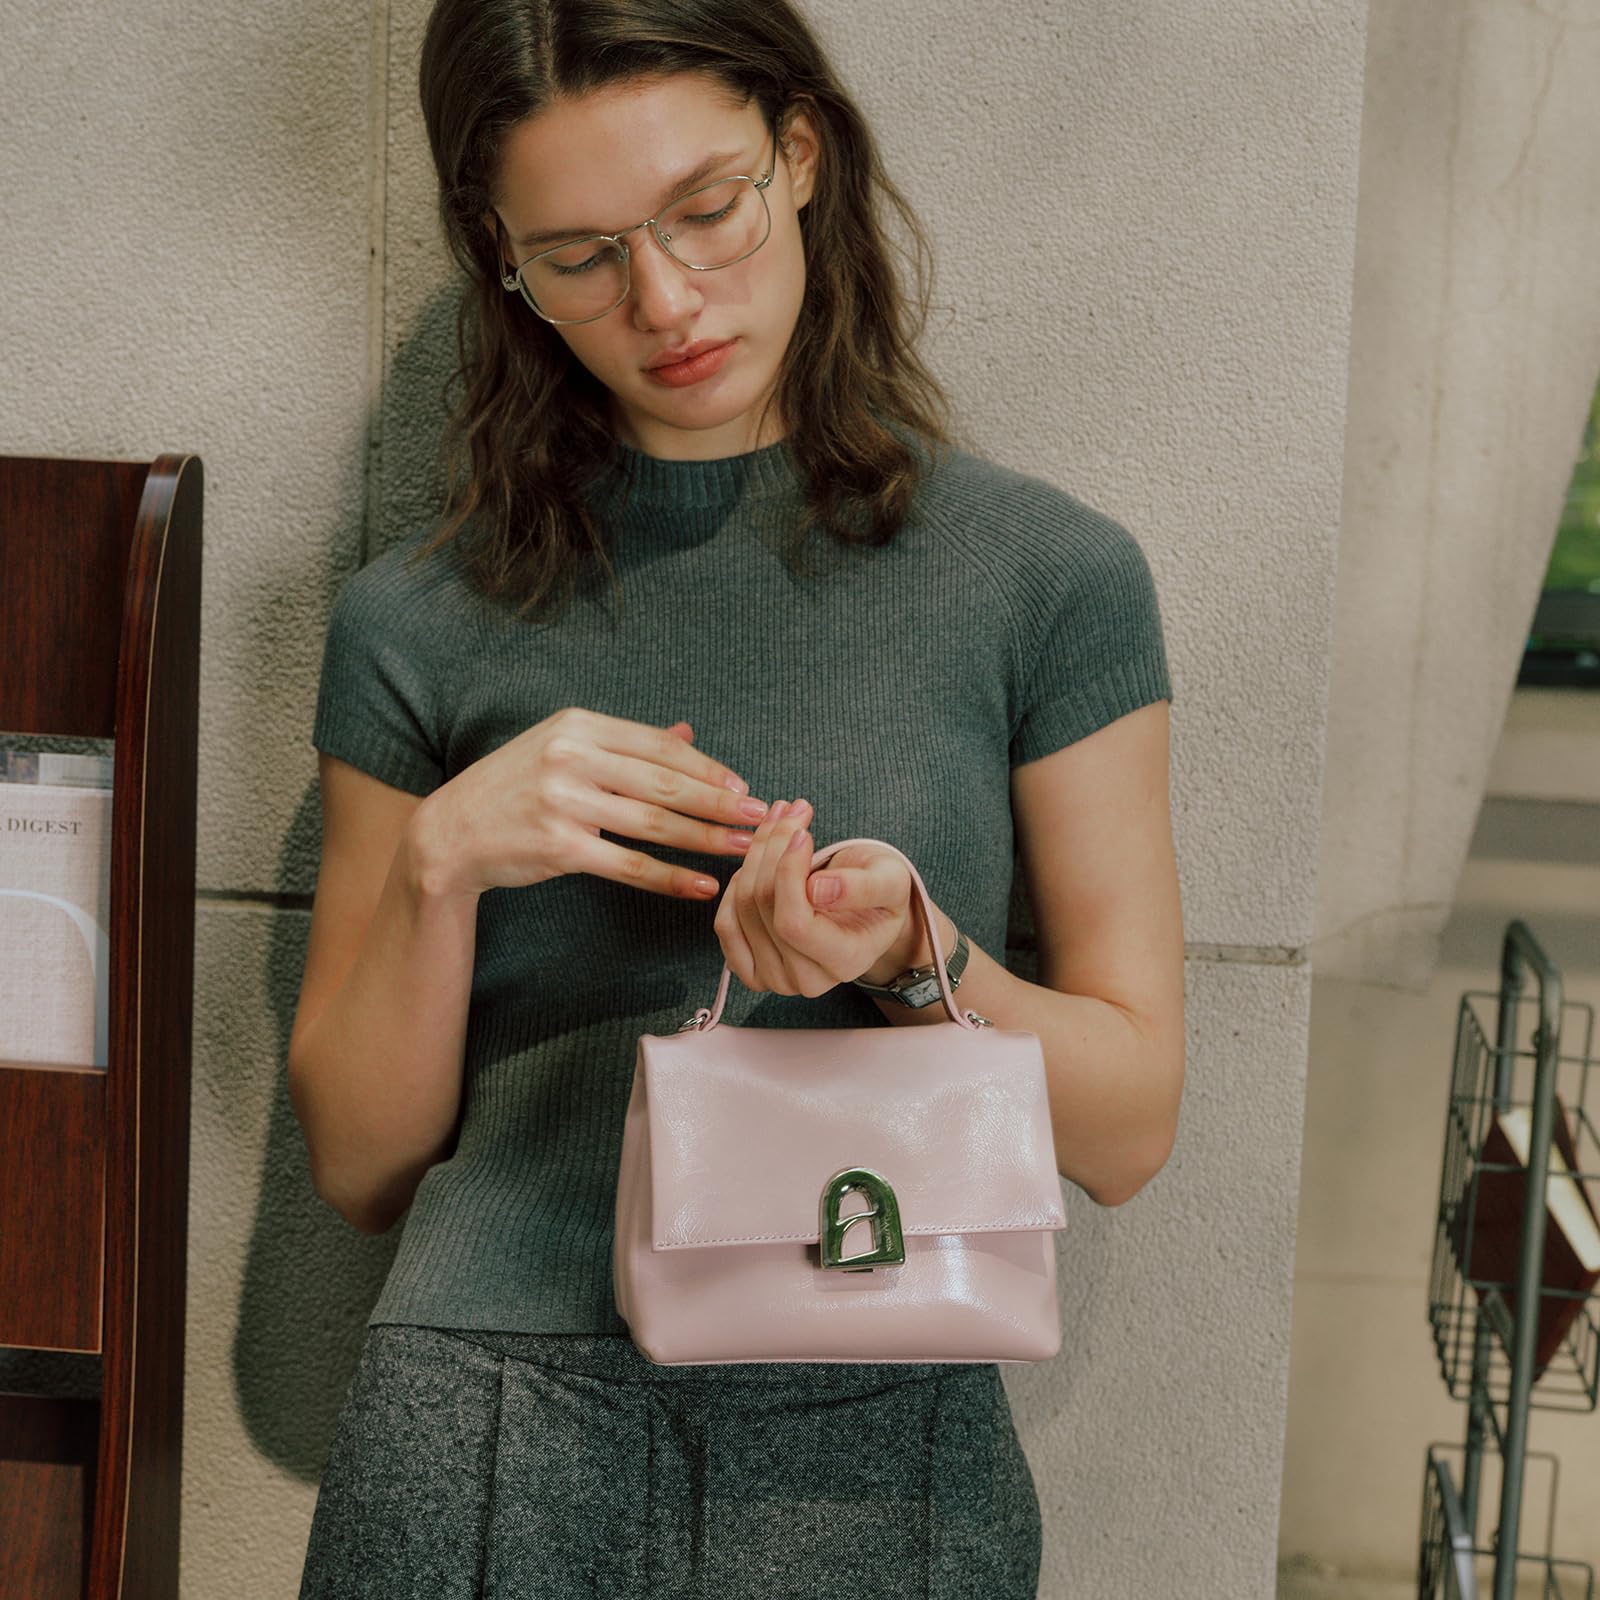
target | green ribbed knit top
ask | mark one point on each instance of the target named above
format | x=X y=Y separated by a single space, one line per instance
x=895 y=690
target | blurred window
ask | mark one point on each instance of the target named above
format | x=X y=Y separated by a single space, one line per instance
x=1563 y=644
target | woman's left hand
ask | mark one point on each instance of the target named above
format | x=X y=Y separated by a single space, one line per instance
x=774 y=937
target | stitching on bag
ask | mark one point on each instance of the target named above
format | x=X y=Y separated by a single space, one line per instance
x=1032 y=1225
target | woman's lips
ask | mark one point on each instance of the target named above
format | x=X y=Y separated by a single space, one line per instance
x=679 y=374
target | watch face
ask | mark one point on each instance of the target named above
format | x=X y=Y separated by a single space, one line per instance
x=922 y=993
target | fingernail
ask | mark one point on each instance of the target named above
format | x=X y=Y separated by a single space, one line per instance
x=798 y=840
x=737 y=784
x=824 y=890
x=778 y=810
x=753 y=808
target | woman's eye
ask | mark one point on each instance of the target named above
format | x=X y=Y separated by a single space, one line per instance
x=712 y=216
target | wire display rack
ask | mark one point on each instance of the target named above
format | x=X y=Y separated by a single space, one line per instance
x=1508 y=1054
x=1454 y=1567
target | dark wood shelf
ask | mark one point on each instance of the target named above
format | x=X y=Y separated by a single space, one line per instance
x=100 y=566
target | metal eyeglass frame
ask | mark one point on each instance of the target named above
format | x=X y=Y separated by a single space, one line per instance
x=513 y=280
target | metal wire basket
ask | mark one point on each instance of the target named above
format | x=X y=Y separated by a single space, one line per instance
x=1472 y=1317
x=1452 y=1567
x=1490 y=1333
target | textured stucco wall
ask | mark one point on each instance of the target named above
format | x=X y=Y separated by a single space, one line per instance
x=1475 y=345
x=191 y=197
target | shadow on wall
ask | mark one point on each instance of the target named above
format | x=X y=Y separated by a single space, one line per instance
x=310 y=1280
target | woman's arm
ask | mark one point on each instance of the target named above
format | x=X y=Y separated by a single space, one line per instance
x=1094 y=827
x=375 y=1054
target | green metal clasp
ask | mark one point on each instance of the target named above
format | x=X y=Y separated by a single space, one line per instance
x=888 y=1249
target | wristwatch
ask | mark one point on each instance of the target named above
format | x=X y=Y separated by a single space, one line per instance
x=919 y=986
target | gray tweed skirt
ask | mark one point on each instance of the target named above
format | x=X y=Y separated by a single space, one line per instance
x=518 y=1466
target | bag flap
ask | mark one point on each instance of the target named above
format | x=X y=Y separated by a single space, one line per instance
x=748 y=1124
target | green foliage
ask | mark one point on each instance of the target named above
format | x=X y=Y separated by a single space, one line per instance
x=1575 y=556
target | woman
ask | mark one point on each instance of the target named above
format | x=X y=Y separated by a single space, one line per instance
x=687 y=364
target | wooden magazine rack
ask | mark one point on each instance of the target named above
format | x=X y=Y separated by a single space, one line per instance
x=100 y=638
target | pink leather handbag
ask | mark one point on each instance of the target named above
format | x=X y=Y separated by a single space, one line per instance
x=741 y=1146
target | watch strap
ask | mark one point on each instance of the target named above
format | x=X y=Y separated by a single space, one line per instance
x=919 y=986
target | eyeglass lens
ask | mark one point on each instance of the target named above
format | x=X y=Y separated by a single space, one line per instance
x=713 y=227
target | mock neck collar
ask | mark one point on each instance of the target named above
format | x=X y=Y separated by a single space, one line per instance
x=700 y=485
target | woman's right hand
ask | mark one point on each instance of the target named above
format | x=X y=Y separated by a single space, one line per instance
x=533 y=809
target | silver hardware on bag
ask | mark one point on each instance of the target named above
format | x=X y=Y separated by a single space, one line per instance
x=889 y=1249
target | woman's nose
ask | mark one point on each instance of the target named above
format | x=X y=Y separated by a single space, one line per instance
x=662 y=289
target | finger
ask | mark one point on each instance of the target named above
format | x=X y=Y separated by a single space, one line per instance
x=755 y=901
x=645 y=743
x=750 y=885
x=735 y=947
x=605 y=859
x=870 y=895
x=827 y=891
x=660 y=823
x=670 y=788
x=787 y=917
x=793 y=821
x=794 y=920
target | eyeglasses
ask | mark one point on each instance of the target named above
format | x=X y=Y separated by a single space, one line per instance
x=711 y=227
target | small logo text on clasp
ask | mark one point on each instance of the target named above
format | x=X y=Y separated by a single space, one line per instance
x=883 y=1217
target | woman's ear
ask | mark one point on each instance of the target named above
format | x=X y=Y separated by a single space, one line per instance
x=800 y=148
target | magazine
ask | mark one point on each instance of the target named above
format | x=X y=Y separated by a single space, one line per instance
x=55 y=892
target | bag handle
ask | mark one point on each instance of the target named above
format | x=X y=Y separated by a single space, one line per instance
x=707 y=1018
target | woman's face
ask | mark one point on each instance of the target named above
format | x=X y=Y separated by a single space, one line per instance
x=604 y=162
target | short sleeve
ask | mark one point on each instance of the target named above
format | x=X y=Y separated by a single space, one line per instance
x=376 y=697
x=1091 y=641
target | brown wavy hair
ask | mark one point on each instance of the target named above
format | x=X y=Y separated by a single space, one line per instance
x=531 y=427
